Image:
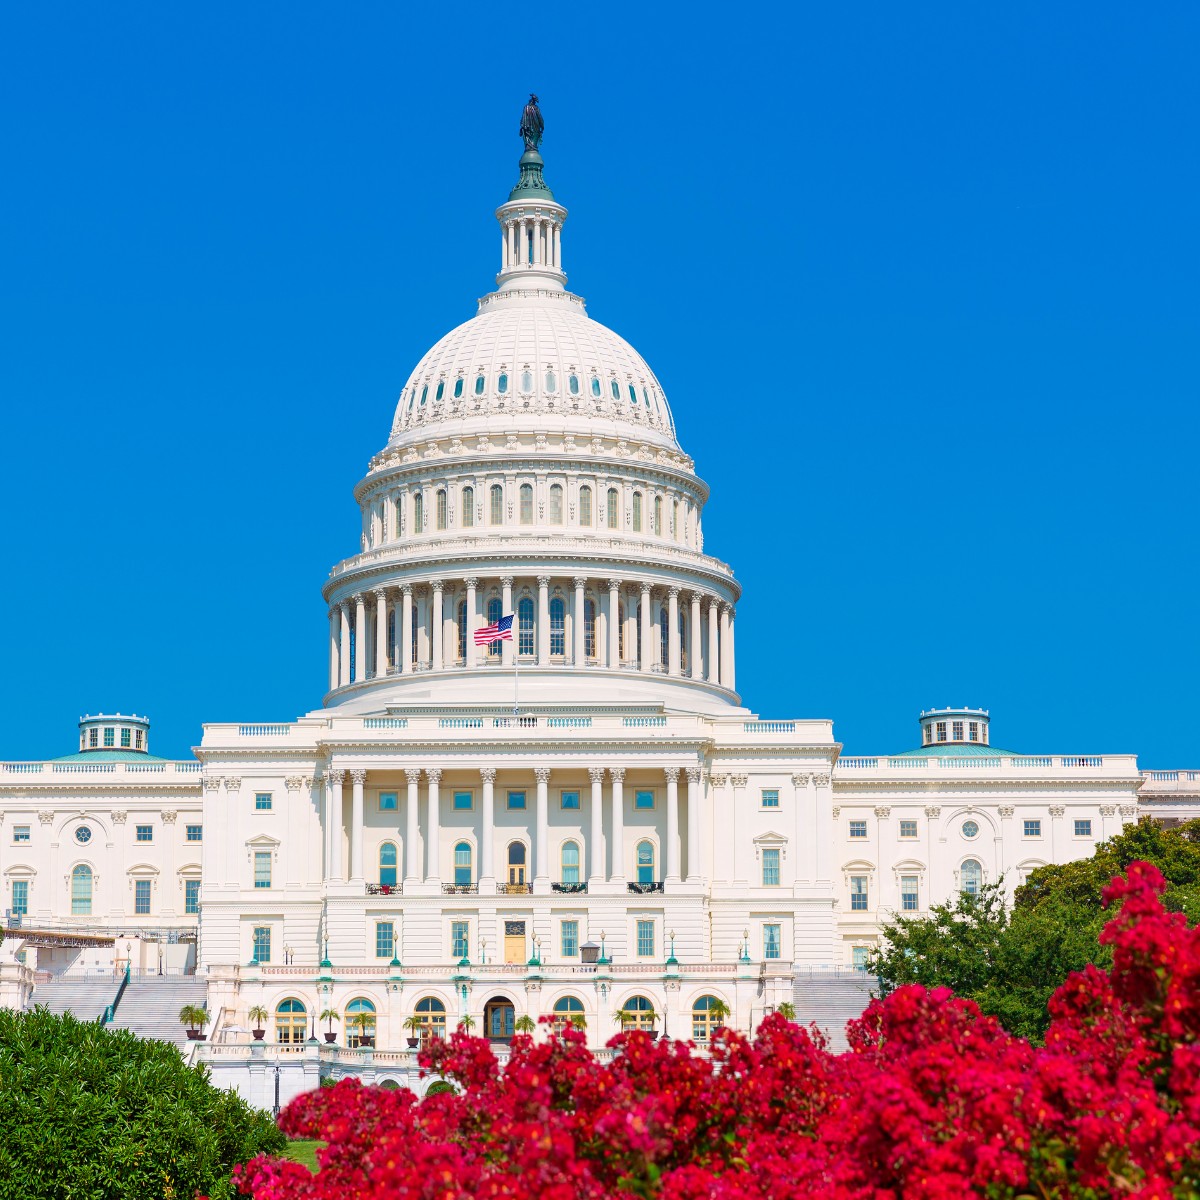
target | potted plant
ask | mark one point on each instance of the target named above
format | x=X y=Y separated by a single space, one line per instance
x=195 y=1017
x=719 y=1011
x=467 y=1023
x=258 y=1015
x=626 y=1019
x=363 y=1021
x=414 y=1025
x=578 y=1021
x=786 y=1010
x=330 y=1015
x=524 y=1024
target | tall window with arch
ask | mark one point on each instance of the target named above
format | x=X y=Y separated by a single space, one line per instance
x=461 y=623
x=412 y=636
x=468 y=507
x=675 y=519
x=664 y=636
x=683 y=640
x=81 y=891
x=708 y=1014
x=589 y=628
x=360 y=1023
x=637 y=512
x=568 y=1010
x=585 y=506
x=418 y=512
x=637 y=632
x=526 y=504
x=494 y=613
x=398 y=523
x=431 y=1013
x=388 y=863
x=496 y=514
x=658 y=516
x=525 y=642
x=971 y=877
x=645 y=862
x=441 y=508
x=291 y=1023
x=462 y=864
x=614 y=508
x=556 y=504
x=558 y=628
x=637 y=1013
x=570 y=862
x=621 y=632
x=516 y=863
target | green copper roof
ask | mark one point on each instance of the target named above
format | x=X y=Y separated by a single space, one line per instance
x=531 y=185
x=110 y=756
x=956 y=750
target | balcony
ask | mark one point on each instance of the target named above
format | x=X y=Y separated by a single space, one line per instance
x=460 y=889
x=644 y=889
x=514 y=889
x=570 y=889
x=385 y=889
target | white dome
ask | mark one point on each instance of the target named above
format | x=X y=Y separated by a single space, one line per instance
x=534 y=353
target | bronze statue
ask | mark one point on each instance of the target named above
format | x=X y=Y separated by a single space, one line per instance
x=532 y=124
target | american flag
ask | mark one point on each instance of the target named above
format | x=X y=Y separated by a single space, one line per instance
x=500 y=632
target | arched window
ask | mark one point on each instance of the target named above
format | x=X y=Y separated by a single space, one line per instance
x=637 y=512
x=441 y=389
x=585 y=505
x=516 y=862
x=462 y=864
x=527 y=381
x=458 y=386
x=398 y=524
x=595 y=386
x=637 y=631
x=675 y=520
x=497 y=504
x=556 y=504
x=645 y=862
x=525 y=627
x=637 y=1013
x=360 y=1023
x=468 y=507
x=616 y=389
x=620 y=632
x=568 y=1010
x=708 y=1013
x=502 y=383
x=573 y=384
x=614 y=508
x=424 y=394
x=291 y=1023
x=418 y=512
x=431 y=1012
x=551 y=383
x=494 y=613
x=658 y=516
x=632 y=394
x=664 y=634
x=388 y=860
x=683 y=640
x=570 y=862
x=971 y=875
x=460 y=624
x=589 y=628
x=81 y=891
x=526 y=504
x=441 y=508
x=558 y=628
x=479 y=385
x=412 y=635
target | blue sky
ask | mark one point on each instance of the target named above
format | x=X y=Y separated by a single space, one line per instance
x=919 y=280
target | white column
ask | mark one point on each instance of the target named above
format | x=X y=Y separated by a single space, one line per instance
x=673 y=646
x=541 y=851
x=596 y=841
x=435 y=623
x=398 y=634
x=471 y=657
x=726 y=657
x=694 y=792
x=412 y=864
x=714 y=666
x=406 y=630
x=729 y=652
x=381 y=632
x=335 y=623
x=358 y=778
x=506 y=607
x=335 y=825
x=433 y=845
x=487 y=838
x=647 y=647
x=618 y=824
x=614 y=631
x=672 y=825
x=558 y=245
x=578 y=657
x=344 y=662
x=543 y=619
x=696 y=665
x=360 y=638
x=522 y=241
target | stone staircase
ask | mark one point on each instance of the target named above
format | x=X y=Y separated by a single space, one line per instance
x=150 y=1006
x=830 y=998
x=85 y=998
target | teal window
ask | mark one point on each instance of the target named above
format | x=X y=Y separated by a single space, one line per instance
x=425 y=393
x=858 y=829
x=462 y=801
x=143 y=833
x=141 y=897
x=632 y=394
x=645 y=939
x=1033 y=828
x=462 y=864
x=458 y=386
x=909 y=901
x=191 y=895
x=585 y=505
x=468 y=507
x=126 y=740
x=772 y=941
x=460 y=935
x=570 y=862
x=971 y=875
x=595 y=386
x=262 y=868
x=643 y=800
x=556 y=504
x=93 y=738
x=441 y=389
x=770 y=797
x=858 y=893
x=479 y=385
x=418 y=517
x=908 y=829
x=516 y=800
x=388 y=861
x=570 y=799
x=525 y=627
x=970 y=829
x=441 y=508
x=860 y=956
x=194 y=833
x=551 y=382
x=558 y=628
x=20 y=897
x=81 y=891
x=385 y=939
x=770 y=866
x=494 y=613
x=262 y=944
x=526 y=381
x=20 y=833
x=1083 y=829
x=387 y=802
x=637 y=512
x=262 y=801
x=573 y=384
x=497 y=508
x=109 y=734
x=616 y=390
x=502 y=383
x=569 y=939
x=83 y=835
x=645 y=862
x=360 y=1022
x=614 y=508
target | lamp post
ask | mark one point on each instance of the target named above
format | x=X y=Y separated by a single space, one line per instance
x=603 y=957
x=276 y=1089
x=483 y=951
x=745 y=945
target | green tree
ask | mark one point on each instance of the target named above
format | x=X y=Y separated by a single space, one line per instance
x=105 y=1115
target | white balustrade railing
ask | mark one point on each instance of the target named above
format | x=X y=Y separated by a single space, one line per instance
x=768 y=726
x=263 y=730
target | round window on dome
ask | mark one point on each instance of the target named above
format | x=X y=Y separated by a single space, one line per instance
x=479 y=385
x=502 y=382
x=83 y=835
x=551 y=382
x=970 y=829
x=595 y=386
x=425 y=393
x=526 y=381
x=458 y=387
x=573 y=384
x=441 y=389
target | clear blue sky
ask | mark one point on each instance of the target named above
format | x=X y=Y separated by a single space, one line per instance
x=920 y=282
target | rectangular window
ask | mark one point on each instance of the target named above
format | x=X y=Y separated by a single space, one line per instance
x=262 y=801
x=262 y=868
x=645 y=939
x=143 y=833
x=462 y=801
x=385 y=939
x=262 y=944
x=858 y=893
x=20 y=833
x=1033 y=829
x=194 y=833
x=772 y=941
x=941 y=731
x=109 y=736
x=387 y=801
x=770 y=797
x=1083 y=828
x=858 y=829
x=958 y=731
x=908 y=893
x=460 y=937
x=141 y=897
x=125 y=739
x=516 y=800
x=770 y=864
x=20 y=897
x=191 y=895
x=973 y=731
x=643 y=800
x=861 y=956
x=93 y=738
x=908 y=829
x=570 y=799
x=137 y=739
x=570 y=939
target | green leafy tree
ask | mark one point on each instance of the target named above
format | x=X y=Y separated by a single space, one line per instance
x=105 y=1115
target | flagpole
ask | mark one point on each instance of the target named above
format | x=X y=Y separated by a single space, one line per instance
x=516 y=674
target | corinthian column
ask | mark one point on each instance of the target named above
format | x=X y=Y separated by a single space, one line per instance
x=672 y=875
x=344 y=660
x=596 y=813
x=543 y=630
x=618 y=824
x=358 y=778
x=334 y=625
x=470 y=655
x=487 y=838
x=714 y=665
x=360 y=638
x=673 y=647
x=436 y=623
x=506 y=609
x=541 y=874
x=614 y=630
x=693 y=820
x=433 y=844
x=381 y=633
x=696 y=665
x=647 y=648
x=405 y=641
x=412 y=864
x=578 y=656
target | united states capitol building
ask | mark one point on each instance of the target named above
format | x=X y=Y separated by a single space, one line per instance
x=585 y=821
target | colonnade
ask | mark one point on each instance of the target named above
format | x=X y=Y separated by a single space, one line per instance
x=531 y=241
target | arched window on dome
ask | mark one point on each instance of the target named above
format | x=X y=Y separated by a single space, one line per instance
x=412 y=636
x=573 y=384
x=616 y=390
x=494 y=612
x=595 y=386
x=637 y=632
x=388 y=861
x=461 y=623
x=621 y=632
x=458 y=388
x=398 y=523
x=558 y=628
x=637 y=512
x=589 y=628
x=658 y=516
x=614 y=508
x=526 y=504
x=971 y=877
x=645 y=397
x=419 y=512
x=675 y=520
x=502 y=382
x=556 y=504
x=664 y=634
x=291 y=1023
x=683 y=641
x=441 y=508
x=585 y=506
x=632 y=394
x=527 y=382
x=424 y=395
x=551 y=383
x=525 y=641
x=468 y=507
x=497 y=506
x=480 y=383
x=441 y=389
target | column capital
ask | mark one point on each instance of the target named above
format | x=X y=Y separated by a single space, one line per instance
x=212 y=783
x=334 y=775
x=694 y=774
x=580 y=581
x=672 y=773
x=801 y=780
x=344 y=605
x=933 y=811
x=506 y=581
x=412 y=774
x=487 y=774
x=358 y=777
x=617 y=773
x=714 y=604
x=596 y=774
x=1007 y=810
x=694 y=597
x=406 y=589
x=821 y=780
x=883 y=811
x=1057 y=810
x=434 y=774
x=739 y=781
x=542 y=774
x=359 y=598
x=543 y=580
x=380 y=594
x=718 y=779
x=614 y=585
x=232 y=783
x=673 y=592
x=437 y=584
x=294 y=783
x=645 y=588
x=471 y=581
x=726 y=607
x=1108 y=810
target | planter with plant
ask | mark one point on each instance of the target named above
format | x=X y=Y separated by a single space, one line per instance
x=329 y=1016
x=362 y=1021
x=524 y=1024
x=258 y=1015
x=414 y=1025
x=195 y=1017
x=467 y=1023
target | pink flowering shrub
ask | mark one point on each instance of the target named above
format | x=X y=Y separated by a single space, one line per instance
x=932 y=1101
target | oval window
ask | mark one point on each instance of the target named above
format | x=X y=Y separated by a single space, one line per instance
x=526 y=381
x=573 y=384
x=425 y=393
x=970 y=829
x=479 y=385
x=632 y=394
x=83 y=835
x=502 y=383
x=551 y=382
x=458 y=387
x=645 y=397
x=595 y=386
x=441 y=389
x=616 y=390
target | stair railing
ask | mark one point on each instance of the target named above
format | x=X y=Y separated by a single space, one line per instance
x=111 y=1011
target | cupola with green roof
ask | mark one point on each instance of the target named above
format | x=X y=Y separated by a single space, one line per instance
x=955 y=733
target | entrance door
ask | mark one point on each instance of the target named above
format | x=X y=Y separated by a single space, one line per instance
x=516 y=863
x=498 y=1018
x=514 y=942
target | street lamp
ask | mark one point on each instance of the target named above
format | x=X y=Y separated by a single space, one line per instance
x=276 y=1089
x=603 y=957
x=745 y=945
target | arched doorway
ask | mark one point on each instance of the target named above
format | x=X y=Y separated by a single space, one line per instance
x=499 y=1016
